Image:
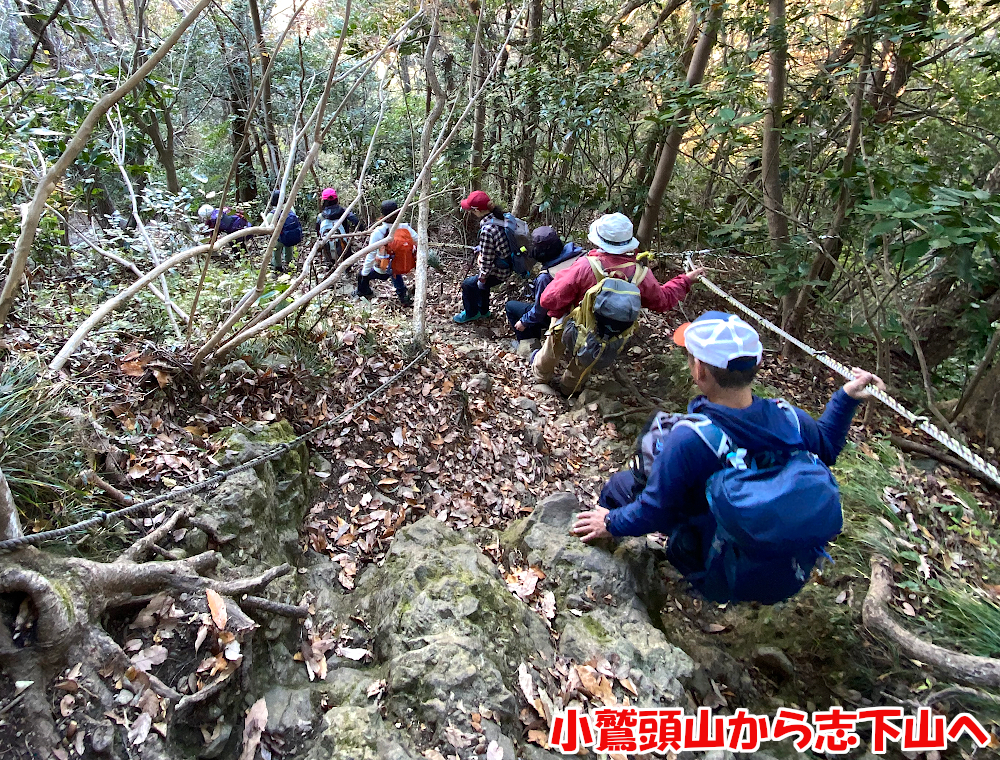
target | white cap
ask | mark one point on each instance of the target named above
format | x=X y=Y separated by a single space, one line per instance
x=721 y=340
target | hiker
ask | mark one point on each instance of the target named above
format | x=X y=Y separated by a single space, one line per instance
x=493 y=251
x=741 y=485
x=386 y=263
x=232 y=221
x=529 y=321
x=328 y=220
x=291 y=234
x=595 y=304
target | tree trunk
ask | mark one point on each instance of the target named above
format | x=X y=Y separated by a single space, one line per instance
x=522 y=196
x=424 y=205
x=476 y=74
x=823 y=264
x=777 y=221
x=34 y=18
x=273 y=164
x=981 y=417
x=164 y=148
x=10 y=525
x=671 y=147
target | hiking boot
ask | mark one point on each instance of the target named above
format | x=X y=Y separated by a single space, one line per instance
x=461 y=318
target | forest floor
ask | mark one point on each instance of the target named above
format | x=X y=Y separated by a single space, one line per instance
x=467 y=439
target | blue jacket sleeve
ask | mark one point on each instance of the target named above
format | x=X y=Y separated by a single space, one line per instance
x=669 y=497
x=826 y=436
x=536 y=315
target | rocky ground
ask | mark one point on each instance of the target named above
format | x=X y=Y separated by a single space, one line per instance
x=450 y=614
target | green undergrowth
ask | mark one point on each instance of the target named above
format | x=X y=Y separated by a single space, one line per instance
x=36 y=452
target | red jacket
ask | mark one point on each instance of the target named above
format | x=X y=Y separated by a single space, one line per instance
x=570 y=285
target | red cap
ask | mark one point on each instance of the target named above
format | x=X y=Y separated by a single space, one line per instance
x=477 y=199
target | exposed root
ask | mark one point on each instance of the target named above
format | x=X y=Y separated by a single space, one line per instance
x=145 y=544
x=982 y=671
x=275 y=608
x=70 y=599
x=89 y=477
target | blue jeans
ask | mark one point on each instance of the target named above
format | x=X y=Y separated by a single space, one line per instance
x=365 y=288
x=476 y=300
x=517 y=309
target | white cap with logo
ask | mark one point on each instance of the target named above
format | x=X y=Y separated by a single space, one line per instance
x=721 y=340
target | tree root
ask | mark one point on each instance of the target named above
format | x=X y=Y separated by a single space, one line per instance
x=981 y=671
x=275 y=608
x=71 y=597
x=88 y=477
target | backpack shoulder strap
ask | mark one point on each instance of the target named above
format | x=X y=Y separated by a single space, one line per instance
x=711 y=434
x=595 y=265
x=639 y=275
x=790 y=412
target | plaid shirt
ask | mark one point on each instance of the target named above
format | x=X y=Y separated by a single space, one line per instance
x=492 y=246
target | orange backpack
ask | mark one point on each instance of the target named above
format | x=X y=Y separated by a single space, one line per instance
x=402 y=250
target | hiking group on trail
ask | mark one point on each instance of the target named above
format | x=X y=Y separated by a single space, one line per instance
x=740 y=485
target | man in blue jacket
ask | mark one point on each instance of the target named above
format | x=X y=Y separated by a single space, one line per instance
x=723 y=354
x=529 y=321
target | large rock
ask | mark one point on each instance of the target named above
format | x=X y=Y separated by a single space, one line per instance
x=264 y=506
x=451 y=632
x=356 y=733
x=599 y=599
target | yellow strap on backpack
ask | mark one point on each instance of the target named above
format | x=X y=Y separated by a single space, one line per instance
x=583 y=314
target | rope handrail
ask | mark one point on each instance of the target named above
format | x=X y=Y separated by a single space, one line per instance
x=920 y=422
x=33 y=539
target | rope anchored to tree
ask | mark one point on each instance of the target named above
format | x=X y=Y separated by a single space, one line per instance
x=921 y=423
x=34 y=539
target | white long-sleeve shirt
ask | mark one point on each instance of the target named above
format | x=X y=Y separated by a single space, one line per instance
x=383 y=229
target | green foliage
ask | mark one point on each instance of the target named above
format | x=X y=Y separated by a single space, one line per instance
x=35 y=452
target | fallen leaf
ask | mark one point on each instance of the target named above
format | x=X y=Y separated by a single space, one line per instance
x=539 y=737
x=714 y=628
x=252 y=729
x=66 y=705
x=200 y=638
x=353 y=653
x=627 y=684
x=526 y=683
x=376 y=688
x=232 y=651
x=149 y=657
x=494 y=751
x=140 y=729
x=433 y=754
x=908 y=609
x=456 y=738
x=547 y=605
x=162 y=378
x=217 y=606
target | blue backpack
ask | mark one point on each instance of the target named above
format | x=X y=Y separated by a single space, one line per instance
x=773 y=514
x=291 y=231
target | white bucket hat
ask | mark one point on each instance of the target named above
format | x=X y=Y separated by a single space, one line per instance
x=613 y=233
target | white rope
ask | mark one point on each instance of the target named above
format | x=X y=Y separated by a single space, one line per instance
x=922 y=423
